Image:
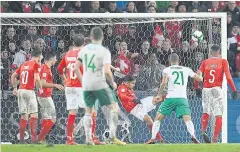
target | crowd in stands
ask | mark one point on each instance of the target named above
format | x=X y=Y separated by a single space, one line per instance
x=141 y=50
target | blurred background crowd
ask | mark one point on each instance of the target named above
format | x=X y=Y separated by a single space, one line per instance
x=140 y=50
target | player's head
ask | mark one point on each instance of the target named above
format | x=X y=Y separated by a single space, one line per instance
x=129 y=81
x=37 y=55
x=78 y=40
x=215 y=50
x=87 y=41
x=96 y=34
x=174 y=59
x=51 y=58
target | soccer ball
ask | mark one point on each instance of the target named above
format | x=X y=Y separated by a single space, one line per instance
x=106 y=136
x=197 y=36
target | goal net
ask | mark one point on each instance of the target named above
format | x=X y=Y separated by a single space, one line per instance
x=140 y=45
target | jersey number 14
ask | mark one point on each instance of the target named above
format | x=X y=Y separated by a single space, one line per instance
x=89 y=62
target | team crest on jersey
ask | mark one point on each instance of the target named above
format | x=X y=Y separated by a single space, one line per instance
x=123 y=90
x=44 y=74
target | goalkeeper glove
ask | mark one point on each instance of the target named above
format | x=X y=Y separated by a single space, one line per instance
x=137 y=101
x=234 y=95
x=198 y=93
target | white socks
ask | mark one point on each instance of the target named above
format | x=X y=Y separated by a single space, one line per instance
x=155 y=128
x=113 y=122
x=87 y=123
x=78 y=126
x=190 y=128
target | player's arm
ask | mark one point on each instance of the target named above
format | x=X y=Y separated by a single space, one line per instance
x=37 y=78
x=229 y=78
x=76 y=69
x=14 y=80
x=45 y=84
x=60 y=69
x=198 y=77
x=115 y=69
x=163 y=84
x=107 y=70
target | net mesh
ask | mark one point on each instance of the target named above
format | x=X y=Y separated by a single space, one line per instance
x=146 y=44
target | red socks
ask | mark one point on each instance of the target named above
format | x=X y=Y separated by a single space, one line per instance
x=159 y=137
x=22 y=128
x=93 y=125
x=47 y=125
x=205 y=119
x=44 y=121
x=218 y=127
x=33 y=128
x=70 y=125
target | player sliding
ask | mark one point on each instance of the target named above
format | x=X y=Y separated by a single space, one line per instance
x=27 y=101
x=45 y=101
x=96 y=61
x=176 y=100
x=214 y=69
x=133 y=105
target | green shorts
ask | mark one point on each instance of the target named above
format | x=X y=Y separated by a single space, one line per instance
x=104 y=97
x=179 y=105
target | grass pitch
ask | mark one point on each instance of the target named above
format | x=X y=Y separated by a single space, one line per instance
x=127 y=148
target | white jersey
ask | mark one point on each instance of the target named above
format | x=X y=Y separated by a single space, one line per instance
x=177 y=80
x=93 y=57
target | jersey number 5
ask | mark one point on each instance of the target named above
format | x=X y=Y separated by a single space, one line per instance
x=70 y=66
x=212 y=75
x=24 y=77
x=89 y=63
x=179 y=75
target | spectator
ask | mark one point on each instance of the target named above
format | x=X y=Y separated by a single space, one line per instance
x=23 y=55
x=174 y=32
x=32 y=34
x=75 y=7
x=196 y=5
x=40 y=44
x=203 y=48
x=171 y=9
x=164 y=52
x=112 y=7
x=15 y=6
x=150 y=75
x=61 y=48
x=60 y=6
x=132 y=39
x=186 y=54
x=182 y=8
x=151 y=3
x=5 y=64
x=117 y=48
x=4 y=7
x=174 y=4
x=43 y=7
x=109 y=38
x=151 y=9
x=145 y=51
x=231 y=7
x=214 y=6
x=229 y=24
x=95 y=8
x=11 y=37
x=27 y=7
x=51 y=38
x=131 y=7
x=12 y=49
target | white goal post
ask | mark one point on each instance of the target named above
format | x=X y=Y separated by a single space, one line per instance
x=75 y=19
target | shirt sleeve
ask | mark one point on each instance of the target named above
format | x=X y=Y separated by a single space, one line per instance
x=191 y=73
x=165 y=71
x=228 y=75
x=61 y=66
x=107 y=58
x=37 y=68
x=18 y=70
x=202 y=67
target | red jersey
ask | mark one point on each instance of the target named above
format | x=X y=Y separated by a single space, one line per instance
x=126 y=97
x=26 y=72
x=214 y=70
x=68 y=62
x=46 y=74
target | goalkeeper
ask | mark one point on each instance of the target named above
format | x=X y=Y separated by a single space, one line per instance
x=134 y=106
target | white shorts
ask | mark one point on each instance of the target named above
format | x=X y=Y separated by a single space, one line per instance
x=141 y=110
x=27 y=102
x=212 y=101
x=47 y=108
x=74 y=97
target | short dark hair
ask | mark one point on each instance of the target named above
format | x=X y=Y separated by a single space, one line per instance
x=49 y=55
x=87 y=40
x=97 y=33
x=174 y=57
x=215 y=48
x=36 y=53
x=128 y=78
x=78 y=40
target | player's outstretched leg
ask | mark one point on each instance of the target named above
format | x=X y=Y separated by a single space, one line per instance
x=155 y=127
x=46 y=127
x=113 y=122
x=205 y=120
x=190 y=128
x=217 y=128
x=149 y=122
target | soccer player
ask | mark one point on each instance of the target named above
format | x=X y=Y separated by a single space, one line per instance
x=133 y=105
x=28 y=74
x=96 y=61
x=213 y=70
x=176 y=100
x=45 y=101
x=73 y=87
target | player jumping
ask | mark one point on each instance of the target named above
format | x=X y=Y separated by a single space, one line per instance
x=45 y=101
x=176 y=100
x=96 y=61
x=133 y=105
x=27 y=101
x=214 y=69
